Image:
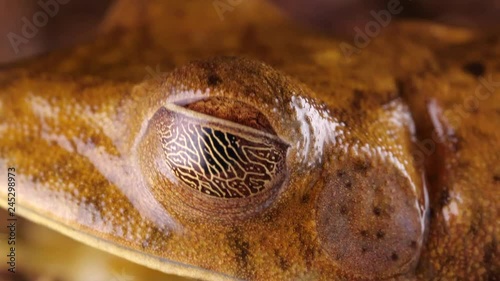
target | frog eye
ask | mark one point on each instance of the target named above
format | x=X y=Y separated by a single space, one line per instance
x=370 y=220
x=214 y=158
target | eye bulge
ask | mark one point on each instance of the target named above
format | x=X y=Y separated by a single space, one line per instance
x=230 y=140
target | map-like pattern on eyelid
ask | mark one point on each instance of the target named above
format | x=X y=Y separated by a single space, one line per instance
x=216 y=162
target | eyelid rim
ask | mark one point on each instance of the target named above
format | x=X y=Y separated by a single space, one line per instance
x=204 y=118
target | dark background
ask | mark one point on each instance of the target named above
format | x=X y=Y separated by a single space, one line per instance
x=79 y=20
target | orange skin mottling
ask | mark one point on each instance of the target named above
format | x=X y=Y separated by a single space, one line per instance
x=377 y=130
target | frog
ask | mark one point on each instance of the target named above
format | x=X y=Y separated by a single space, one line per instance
x=248 y=147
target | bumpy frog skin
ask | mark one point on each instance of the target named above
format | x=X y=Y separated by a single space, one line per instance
x=282 y=160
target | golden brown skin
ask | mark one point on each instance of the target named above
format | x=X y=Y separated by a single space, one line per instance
x=82 y=126
x=459 y=107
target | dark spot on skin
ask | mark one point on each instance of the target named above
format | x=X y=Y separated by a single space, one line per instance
x=343 y=210
x=394 y=256
x=94 y=139
x=377 y=211
x=241 y=248
x=305 y=199
x=356 y=99
x=489 y=259
x=213 y=80
x=270 y=217
x=489 y=251
x=364 y=233
x=362 y=166
x=305 y=246
x=413 y=244
x=340 y=173
x=348 y=184
x=309 y=257
x=282 y=262
x=364 y=250
x=496 y=178
x=444 y=198
x=380 y=234
x=473 y=230
x=475 y=68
